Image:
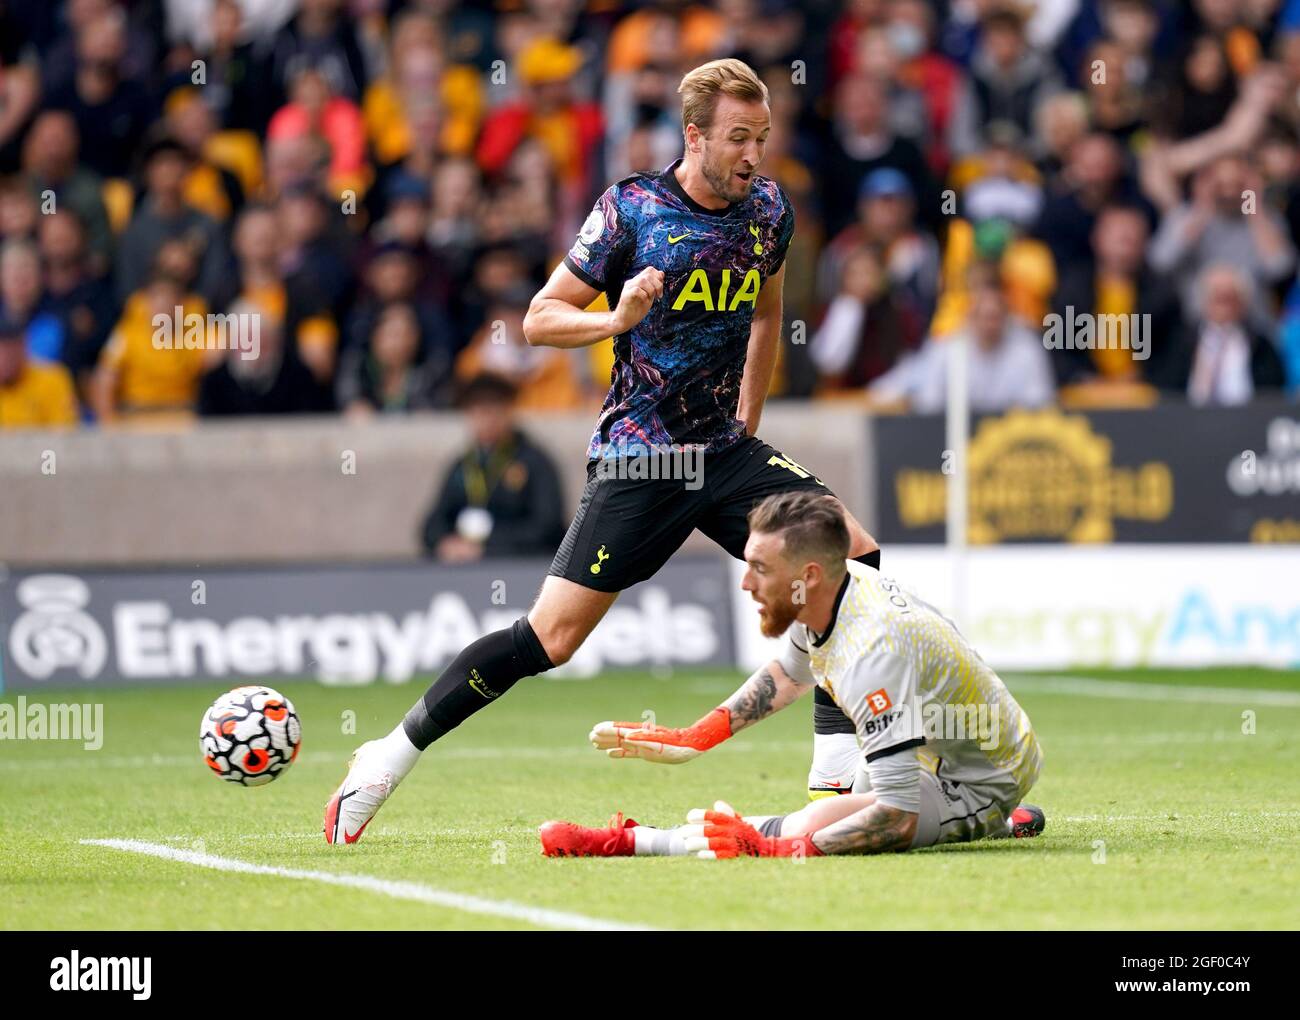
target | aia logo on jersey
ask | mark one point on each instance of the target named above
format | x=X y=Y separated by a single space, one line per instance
x=703 y=292
x=878 y=702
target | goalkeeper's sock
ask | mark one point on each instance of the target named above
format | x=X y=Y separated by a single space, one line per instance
x=651 y=842
x=480 y=674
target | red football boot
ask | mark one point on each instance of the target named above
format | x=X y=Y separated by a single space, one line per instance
x=565 y=839
x=1027 y=821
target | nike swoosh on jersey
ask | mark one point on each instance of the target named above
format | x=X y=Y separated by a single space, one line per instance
x=674 y=240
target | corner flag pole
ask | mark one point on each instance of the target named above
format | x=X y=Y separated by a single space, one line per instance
x=958 y=434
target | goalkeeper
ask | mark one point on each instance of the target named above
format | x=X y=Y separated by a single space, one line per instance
x=946 y=752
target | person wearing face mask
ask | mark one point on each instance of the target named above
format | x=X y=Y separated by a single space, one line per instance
x=910 y=30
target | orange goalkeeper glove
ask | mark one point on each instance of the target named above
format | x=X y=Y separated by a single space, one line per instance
x=720 y=834
x=661 y=743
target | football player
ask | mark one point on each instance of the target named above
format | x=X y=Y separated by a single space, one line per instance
x=947 y=755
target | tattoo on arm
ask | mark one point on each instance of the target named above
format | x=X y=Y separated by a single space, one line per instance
x=767 y=691
x=754 y=701
x=875 y=829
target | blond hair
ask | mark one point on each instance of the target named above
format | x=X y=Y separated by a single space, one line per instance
x=701 y=88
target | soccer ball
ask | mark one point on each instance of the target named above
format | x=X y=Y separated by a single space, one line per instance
x=250 y=735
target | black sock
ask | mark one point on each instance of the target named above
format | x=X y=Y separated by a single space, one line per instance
x=480 y=674
x=871 y=559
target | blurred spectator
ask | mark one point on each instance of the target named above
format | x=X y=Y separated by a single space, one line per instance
x=268 y=379
x=1007 y=364
x=162 y=215
x=393 y=276
x=877 y=58
x=910 y=25
x=569 y=128
x=642 y=123
x=1201 y=89
x=20 y=90
x=224 y=167
x=137 y=375
x=406 y=221
x=113 y=112
x=1008 y=81
x=82 y=301
x=313 y=111
x=1093 y=176
x=1115 y=101
x=22 y=300
x=1221 y=359
x=887 y=220
x=19 y=210
x=52 y=169
x=33 y=394
x=1117 y=282
x=322 y=38
x=1000 y=182
x=314 y=254
x=1224 y=223
x=860 y=140
x=296 y=305
x=454 y=219
x=389 y=373
x=1060 y=122
x=236 y=87
x=423 y=87
x=502 y=498
x=139 y=48
x=866 y=329
x=500 y=270
x=546 y=378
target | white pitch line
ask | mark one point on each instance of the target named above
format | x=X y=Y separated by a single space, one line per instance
x=1179 y=816
x=540 y=916
x=1091 y=687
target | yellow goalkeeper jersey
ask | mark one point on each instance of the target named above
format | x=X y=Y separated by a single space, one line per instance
x=906 y=676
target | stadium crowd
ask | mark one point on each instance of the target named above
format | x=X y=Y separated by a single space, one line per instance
x=384 y=184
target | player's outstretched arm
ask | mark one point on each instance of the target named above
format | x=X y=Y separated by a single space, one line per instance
x=769 y=690
x=558 y=317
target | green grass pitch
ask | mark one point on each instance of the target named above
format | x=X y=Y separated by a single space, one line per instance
x=1161 y=813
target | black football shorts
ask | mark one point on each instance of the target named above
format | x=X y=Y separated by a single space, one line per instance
x=627 y=527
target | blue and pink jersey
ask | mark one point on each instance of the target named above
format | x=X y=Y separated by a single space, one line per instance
x=676 y=376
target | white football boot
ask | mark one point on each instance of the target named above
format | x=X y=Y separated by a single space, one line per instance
x=361 y=794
